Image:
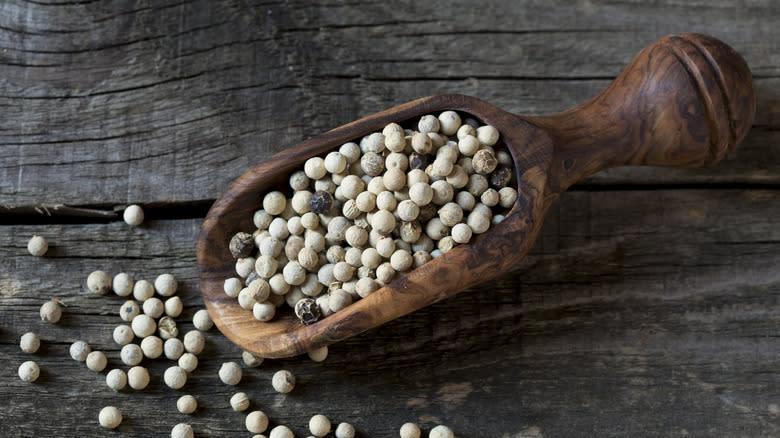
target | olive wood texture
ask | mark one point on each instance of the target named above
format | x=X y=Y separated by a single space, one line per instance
x=683 y=101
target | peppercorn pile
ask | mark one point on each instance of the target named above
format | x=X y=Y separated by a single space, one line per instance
x=355 y=218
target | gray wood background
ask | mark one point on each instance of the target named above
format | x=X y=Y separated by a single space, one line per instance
x=649 y=307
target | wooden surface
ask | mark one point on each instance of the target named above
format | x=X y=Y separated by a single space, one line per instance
x=649 y=306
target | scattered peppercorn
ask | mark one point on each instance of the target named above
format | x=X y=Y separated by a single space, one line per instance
x=37 y=246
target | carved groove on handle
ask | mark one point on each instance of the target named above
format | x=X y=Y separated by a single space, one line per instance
x=718 y=148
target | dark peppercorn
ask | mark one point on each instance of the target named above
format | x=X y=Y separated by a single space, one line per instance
x=321 y=202
x=427 y=212
x=418 y=161
x=241 y=245
x=307 y=311
x=500 y=177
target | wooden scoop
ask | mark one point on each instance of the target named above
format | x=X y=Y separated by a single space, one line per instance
x=684 y=101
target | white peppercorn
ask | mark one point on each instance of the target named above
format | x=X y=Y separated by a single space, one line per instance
x=239 y=401
x=385 y=273
x=318 y=354
x=450 y=214
x=401 y=260
x=99 y=282
x=188 y=362
x=299 y=180
x=383 y=222
x=274 y=202
x=29 y=343
x=256 y=422
x=350 y=151
x=283 y=381
x=152 y=347
x=458 y=178
x=129 y=310
x=266 y=266
x=461 y=233
x=466 y=129
x=442 y=192
x=116 y=379
x=441 y=431
x=143 y=290
x=465 y=200
x=51 y=311
x=343 y=271
x=435 y=229
x=175 y=377
x=79 y=351
x=261 y=219
x=366 y=286
x=477 y=184
x=133 y=215
x=250 y=359
x=410 y=430
x=319 y=425
x=420 y=258
x=138 y=377
x=489 y=197
x=263 y=311
x=245 y=266
x=421 y=193
x=194 y=342
x=173 y=348
x=187 y=404
x=468 y=145
x=314 y=240
x=166 y=285
x=153 y=307
x=37 y=246
x=29 y=371
x=110 y=417
x=497 y=219
x=281 y=432
x=507 y=197
x=123 y=284
x=478 y=222
x=143 y=325
x=278 y=285
x=345 y=430
x=372 y=164
x=182 y=430
x=173 y=307
x=339 y=299
x=201 y=320
x=96 y=361
x=421 y=143
x=311 y=286
x=294 y=226
x=230 y=373
x=445 y=244
x=278 y=228
x=131 y=354
x=487 y=135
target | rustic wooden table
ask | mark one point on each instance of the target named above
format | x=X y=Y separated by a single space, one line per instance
x=649 y=306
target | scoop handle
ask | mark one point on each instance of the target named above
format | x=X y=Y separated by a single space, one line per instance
x=684 y=101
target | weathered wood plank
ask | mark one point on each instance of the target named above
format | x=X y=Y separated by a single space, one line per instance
x=649 y=313
x=161 y=101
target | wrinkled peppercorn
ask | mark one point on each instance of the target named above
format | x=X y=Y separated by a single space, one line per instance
x=321 y=202
x=418 y=161
x=500 y=177
x=307 y=311
x=241 y=245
